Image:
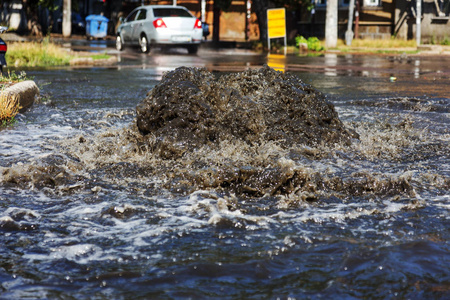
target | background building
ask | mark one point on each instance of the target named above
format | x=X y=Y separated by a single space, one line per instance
x=373 y=19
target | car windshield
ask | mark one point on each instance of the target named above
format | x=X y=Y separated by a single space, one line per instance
x=171 y=12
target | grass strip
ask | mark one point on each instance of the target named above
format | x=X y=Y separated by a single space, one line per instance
x=37 y=54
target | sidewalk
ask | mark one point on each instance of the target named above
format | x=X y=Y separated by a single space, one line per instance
x=434 y=49
x=81 y=43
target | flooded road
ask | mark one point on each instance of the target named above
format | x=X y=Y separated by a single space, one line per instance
x=89 y=210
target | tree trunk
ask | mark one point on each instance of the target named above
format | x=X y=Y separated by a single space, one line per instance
x=216 y=22
x=67 y=18
x=261 y=7
x=331 y=24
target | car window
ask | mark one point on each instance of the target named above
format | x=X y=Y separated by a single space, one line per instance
x=132 y=16
x=142 y=15
x=171 y=12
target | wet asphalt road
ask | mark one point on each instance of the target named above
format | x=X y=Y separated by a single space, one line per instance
x=333 y=73
x=115 y=233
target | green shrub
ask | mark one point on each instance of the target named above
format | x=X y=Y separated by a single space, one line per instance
x=299 y=39
x=313 y=43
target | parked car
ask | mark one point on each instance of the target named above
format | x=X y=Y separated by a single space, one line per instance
x=3 y=49
x=163 y=25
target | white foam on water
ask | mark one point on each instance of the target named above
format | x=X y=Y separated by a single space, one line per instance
x=24 y=213
x=111 y=221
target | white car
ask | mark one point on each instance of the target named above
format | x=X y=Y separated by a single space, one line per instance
x=167 y=25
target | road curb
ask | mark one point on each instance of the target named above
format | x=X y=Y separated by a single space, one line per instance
x=25 y=92
x=89 y=61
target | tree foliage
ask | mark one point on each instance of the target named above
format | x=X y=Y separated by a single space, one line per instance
x=50 y=4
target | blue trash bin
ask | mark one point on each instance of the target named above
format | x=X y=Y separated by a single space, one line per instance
x=96 y=26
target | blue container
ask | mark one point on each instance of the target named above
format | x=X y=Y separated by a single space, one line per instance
x=96 y=26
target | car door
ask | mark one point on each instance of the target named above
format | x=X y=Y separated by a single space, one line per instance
x=127 y=27
x=138 y=25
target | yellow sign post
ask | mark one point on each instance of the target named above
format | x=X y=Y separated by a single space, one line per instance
x=276 y=25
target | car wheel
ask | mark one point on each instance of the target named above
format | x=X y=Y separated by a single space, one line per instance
x=192 y=49
x=119 y=44
x=143 y=43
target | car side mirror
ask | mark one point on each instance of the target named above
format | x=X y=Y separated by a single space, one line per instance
x=122 y=20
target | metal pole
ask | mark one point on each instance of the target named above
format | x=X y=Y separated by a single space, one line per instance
x=268 y=38
x=418 y=21
x=203 y=8
x=247 y=20
x=349 y=32
x=357 y=20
